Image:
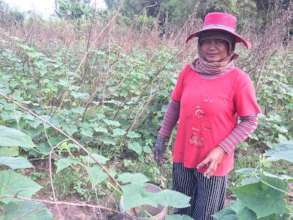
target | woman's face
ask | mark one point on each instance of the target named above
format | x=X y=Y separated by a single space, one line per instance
x=214 y=50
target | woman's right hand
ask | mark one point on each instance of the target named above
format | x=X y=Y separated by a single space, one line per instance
x=159 y=149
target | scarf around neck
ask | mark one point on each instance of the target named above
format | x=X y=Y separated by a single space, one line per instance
x=212 y=68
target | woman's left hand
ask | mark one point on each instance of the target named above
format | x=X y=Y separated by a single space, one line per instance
x=212 y=160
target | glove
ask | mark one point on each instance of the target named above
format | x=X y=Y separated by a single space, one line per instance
x=159 y=149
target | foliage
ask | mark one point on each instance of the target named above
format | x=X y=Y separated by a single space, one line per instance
x=163 y=12
x=13 y=138
x=261 y=195
x=176 y=12
x=10 y=137
x=112 y=125
x=13 y=183
x=15 y=162
x=26 y=210
x=75 y=9
x=275 y=125
x=135 y=194
x=283 y=151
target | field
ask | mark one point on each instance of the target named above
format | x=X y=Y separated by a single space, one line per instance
x=81 y=104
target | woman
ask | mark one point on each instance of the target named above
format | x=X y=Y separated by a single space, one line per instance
x=217 y=109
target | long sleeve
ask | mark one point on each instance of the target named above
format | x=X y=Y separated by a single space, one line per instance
x=240 y=133
x=170 y=118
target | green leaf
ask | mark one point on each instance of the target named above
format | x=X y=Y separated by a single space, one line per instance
x=172 y=198
x=9 y=151
x=77 y=110
x=26 y=210
x=243 y=213
x=10 y=137
x=118 y=132
x=112 y=123
x=246 y=213
x=284 y=178
x=107 y=140
x=80 y=95
x=226 y=214
x=12 y=183
x=243 y=145
x=147 y=149
x=178 y=217
x=282 y=151
x=135 y=195
x=70 y=128
x=96 y=175
x=133 y=134
x=15 y=162
x=137 y=178
x=63 y=163
x=275 y=217
x=250 y=180
x=261 y=198
x=236 y=206
x=135 y=146
x=246 y=171
x=100 y=158
x=86 y=130
x=278 y=182
x=101 y=130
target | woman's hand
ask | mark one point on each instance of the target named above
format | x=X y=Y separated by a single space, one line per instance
x=159 y=150
x=212 y=161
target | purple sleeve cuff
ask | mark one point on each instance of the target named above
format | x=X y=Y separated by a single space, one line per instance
x=170 y=118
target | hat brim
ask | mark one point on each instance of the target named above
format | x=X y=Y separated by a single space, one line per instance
x=239 y=38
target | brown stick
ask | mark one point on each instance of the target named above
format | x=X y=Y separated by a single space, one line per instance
x=69 y=204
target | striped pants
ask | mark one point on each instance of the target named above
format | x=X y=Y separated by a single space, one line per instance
x=207 y=194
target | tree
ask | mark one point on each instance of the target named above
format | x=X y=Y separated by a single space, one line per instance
x=72 y=9
x=269 y=9
x=176 y=12
x=245 y=10
x=173 y=12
